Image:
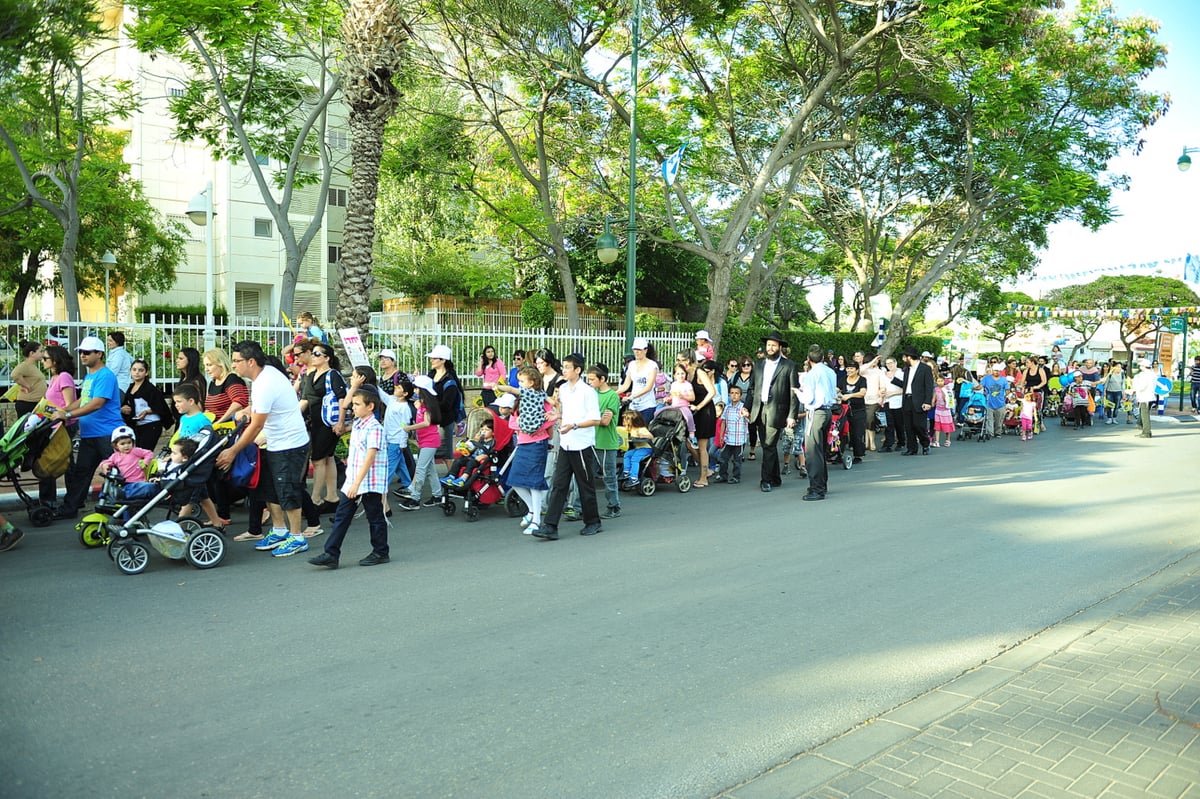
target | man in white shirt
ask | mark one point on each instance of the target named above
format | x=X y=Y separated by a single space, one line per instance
x=275 y=410
x=1143 y=391
x=579 y=416
x=818 y=395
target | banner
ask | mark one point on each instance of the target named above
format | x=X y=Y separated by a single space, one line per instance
x=355 y=350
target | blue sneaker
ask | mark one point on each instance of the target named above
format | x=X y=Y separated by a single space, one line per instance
x=293 y=545
x=271 y=541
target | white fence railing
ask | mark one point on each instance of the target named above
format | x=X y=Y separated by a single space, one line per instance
x=159 y=341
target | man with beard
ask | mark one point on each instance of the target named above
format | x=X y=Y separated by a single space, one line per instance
x=917 y=381
x=774 y=406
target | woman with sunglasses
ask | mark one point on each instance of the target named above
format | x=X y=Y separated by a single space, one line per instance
x=322 y=364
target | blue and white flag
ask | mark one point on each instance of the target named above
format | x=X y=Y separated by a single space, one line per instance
x=670 y=167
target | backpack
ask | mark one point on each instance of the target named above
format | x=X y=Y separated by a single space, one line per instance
x=56 y=456
x=460 y=415
x=331 y=403
x=247 y=466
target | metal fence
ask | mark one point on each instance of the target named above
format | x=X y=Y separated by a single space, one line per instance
x=159 y=341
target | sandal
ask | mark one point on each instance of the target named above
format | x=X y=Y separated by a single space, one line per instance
x=751 y=457
x=312 y=532
x=248 y=536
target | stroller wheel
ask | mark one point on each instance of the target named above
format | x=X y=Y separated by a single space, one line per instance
x=41 y=516
x=92 y=535
x=190 y=524
x=206 y=549
x=847 y=459
x=515 y=505
x=684 y=484
x=132 y=558
x=647 y=486
x=449 y=507
x=471 y=513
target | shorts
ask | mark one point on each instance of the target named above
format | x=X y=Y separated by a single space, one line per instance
x=281 y=480
x=324 y=441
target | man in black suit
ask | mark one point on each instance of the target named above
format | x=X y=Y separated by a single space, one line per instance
x=916 y=380
x=774 y=405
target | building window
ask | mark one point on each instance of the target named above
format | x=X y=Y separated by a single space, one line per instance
x=335 y=254
x=338 y=140
x=262 y=228
x=175 y=91
x=262 y=160
x=337 y=198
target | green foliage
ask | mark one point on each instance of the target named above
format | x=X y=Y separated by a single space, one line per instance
x=737 y=340
x=146 y=310
x=442 y=266
x=537 y=312
x=648 y=323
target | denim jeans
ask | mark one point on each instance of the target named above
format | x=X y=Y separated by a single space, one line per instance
x=397 y=465
x=377 y=523
x=608 y=463
x=426 y=474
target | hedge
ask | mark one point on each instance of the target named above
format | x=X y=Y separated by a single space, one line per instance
x=737 y=341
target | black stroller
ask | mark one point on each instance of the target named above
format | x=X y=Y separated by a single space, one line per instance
x=669 y=429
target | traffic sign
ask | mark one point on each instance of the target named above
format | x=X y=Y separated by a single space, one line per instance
x=1178 y=324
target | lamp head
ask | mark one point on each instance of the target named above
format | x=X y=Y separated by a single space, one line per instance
x=1185 y=161
x=198 y=209
x=608 y=247
x=108 y=259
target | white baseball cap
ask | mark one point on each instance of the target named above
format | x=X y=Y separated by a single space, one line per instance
x=124 y=431
x=506 y=400
x=387 y=354
x=640 y=343
x=440 y=351
x=704 y=335
x=926 y=354
x=90 y=344
x=425 y=382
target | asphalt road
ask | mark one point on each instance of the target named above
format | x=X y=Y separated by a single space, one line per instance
x=699 y=640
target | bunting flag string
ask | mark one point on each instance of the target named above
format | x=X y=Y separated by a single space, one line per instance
x=1103 y=314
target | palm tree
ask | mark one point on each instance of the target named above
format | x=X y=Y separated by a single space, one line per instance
x=374 y=33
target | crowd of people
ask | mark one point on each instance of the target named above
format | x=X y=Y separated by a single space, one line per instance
x=571 y=428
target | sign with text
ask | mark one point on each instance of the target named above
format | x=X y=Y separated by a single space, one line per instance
x=355 y=350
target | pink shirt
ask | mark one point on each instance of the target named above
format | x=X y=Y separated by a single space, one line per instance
x=492 y=374
x=54 y=391
x=427 y=437
x=542 y=433
x=128 y=464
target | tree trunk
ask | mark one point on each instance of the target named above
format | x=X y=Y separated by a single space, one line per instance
x=720 y=277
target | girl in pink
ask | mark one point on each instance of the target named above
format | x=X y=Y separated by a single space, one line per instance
x=943 y=414
x=130 y=460
x=492 y=370
x=682 y=396
x=1028 y=414
x=426 y=427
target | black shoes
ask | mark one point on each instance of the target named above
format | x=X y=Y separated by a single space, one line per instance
x=925 y=451
x=546 y=533
x=612 y=512
x=326 y=560
x=63 y=513
x=813 y=496
x=590 y=529
x=374 y=559
x=886 y=449
x=765 y=488
x=856 y=460
x=326 y=508
x=803 y=473
x=409 y=504
x=909 y=452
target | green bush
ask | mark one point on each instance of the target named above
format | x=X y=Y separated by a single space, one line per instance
x=737 y=341
x=648 y=323
x=144 y=312
x=537 y=312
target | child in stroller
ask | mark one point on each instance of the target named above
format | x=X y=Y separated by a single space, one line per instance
x=1012 y=411
x=476 y=475
x=669 y=445
x=974 y=415
x=473 y=453
x=837 y=441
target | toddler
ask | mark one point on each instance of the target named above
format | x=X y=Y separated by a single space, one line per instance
x=181 y=452
x=1028 y=415
x=683 y=395
x=640 y=440
x=130 y=461
x=472 y=454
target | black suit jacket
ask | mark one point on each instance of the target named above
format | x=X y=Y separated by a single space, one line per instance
x=922 y=384
x=781 y=399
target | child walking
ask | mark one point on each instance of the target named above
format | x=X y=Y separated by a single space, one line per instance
x=366 y=479
x=534 y=421
x=427 y=427
x=943 y=412
x=737 y=433
x=1028 y=415
x=683 y=394
x=395 y=432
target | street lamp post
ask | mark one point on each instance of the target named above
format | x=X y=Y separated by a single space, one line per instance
x=606 y=243
x=200 y=211
x=1185 y=161
x=109 y=260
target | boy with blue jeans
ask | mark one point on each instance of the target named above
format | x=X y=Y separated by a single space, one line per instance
x=737 y=434
x=608 y=440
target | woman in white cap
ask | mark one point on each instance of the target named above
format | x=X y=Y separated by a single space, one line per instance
x=449 y=396
x=389 y=373
x=640 y=374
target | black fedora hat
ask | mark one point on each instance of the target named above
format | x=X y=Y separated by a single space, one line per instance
x=911 y=352
x=774 y=335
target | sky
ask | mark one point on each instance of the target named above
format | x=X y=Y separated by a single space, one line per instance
x=1159 y=222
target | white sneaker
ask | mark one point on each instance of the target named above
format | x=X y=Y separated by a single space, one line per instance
x=526 y=520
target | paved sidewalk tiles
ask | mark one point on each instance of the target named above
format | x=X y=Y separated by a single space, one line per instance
x=1069 y=713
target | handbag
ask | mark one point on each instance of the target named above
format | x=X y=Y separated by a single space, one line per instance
x=246 y=467
x=331 y=403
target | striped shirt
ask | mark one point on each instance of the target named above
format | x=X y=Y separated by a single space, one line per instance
x=737 y=430
x=367 y=434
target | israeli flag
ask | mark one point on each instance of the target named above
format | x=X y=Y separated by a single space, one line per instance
x=670 y=167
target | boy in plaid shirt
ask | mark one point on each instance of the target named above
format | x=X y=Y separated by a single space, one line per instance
x=737 y=433
x=366 y=478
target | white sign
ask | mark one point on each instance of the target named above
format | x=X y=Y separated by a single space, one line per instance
x=355 y=350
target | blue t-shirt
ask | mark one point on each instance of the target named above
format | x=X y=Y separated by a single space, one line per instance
x=994 y=388
x=191 y=425
x=101 y=422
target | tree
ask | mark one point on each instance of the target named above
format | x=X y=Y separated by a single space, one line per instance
x=52 y=113
x=257 y=84
x=374 y=34
x=1115 y=294
x=990 y=308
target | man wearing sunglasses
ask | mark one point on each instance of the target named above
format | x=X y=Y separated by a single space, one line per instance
x=98 y=411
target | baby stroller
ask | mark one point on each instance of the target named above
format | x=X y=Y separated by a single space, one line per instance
x=837 y=441
x=39 y=444
x=973 y=417
x=127 y=533
x=486 y=486
x=1012 y=412
x=669 y=429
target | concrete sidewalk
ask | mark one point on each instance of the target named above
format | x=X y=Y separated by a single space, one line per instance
x=1106 y=703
